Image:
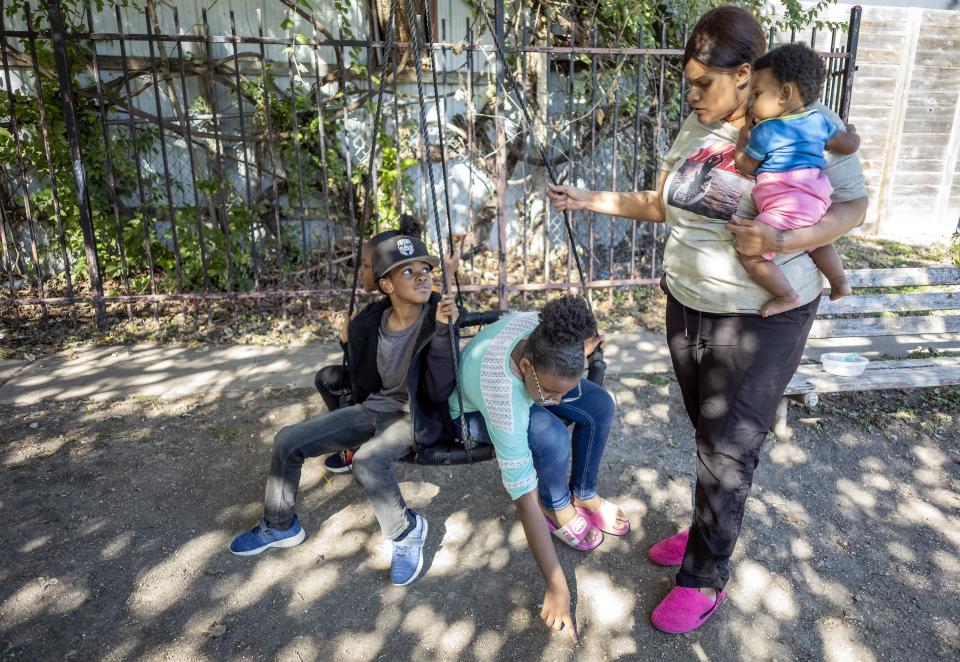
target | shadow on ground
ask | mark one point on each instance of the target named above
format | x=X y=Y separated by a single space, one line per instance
x=118 y=515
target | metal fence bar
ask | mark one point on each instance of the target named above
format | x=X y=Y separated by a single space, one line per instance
x=146 y=208
x=501 y=164
x=637 y=137
x=21 y=169
x=48 y=153
x=524 y=212
x=108 y=162
x=611 y=222
x=275 y=200
x=224 y=215
x=547 y=130
x=7 y=260
x=150 y=18
x=245 y=160
x=76 y=161
x=594 y=178
x=348 y=157
x=322 y=135
x=572 y=167
x=471 y=137
x=325 y=293
x=656 y=145
x=364 y=43
x=188 y=132
x=295 y=117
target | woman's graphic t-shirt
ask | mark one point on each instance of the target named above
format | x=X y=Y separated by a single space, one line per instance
x=702 y=192
x=490 y=387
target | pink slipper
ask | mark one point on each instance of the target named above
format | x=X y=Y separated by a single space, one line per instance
x=669 y=551
x=575 y=533
x=605 y=518
x=684 y=609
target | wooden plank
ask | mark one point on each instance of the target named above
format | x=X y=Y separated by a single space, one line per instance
x=903 y=277
x=914 y=179
x=882 y=303
x=885 y=326
x=908 y=373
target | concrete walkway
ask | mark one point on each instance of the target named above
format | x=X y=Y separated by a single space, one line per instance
x=110 y=372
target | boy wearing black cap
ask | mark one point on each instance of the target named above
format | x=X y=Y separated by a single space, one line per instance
x=401 y=370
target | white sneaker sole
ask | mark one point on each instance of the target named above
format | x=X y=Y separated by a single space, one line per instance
x=426 y=528
x=292 y=541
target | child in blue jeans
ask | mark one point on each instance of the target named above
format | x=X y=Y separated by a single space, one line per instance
x=401 y=370
x=522 y=382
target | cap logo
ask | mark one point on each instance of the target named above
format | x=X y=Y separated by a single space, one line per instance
x=405 y=246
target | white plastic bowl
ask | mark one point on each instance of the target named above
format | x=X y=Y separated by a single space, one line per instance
x=845 y=364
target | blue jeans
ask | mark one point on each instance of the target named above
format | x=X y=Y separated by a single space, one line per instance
x=550 y=444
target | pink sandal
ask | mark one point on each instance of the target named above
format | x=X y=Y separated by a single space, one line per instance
x=575 y=533
x=605 y=518
x=669 y=551
x=684 y=609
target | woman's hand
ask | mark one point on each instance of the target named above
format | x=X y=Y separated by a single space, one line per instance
x=637 y=205
x=556 y=611
x=751 y=237
x=567 y=198
x=447 y=311
x=591 y=344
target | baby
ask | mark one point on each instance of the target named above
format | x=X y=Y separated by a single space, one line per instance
x=784 y=148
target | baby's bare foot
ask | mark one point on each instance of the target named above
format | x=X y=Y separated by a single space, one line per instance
x=839 y=288
x=778 y=305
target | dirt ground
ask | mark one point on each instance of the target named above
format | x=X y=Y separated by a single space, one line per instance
x=117 y=516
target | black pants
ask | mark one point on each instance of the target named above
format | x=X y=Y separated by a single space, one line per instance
x=331 y=385
x=732 y=371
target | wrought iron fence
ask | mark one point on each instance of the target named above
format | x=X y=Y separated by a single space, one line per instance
x=150 y=162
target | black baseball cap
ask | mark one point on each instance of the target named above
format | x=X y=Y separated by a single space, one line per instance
x=397 y=250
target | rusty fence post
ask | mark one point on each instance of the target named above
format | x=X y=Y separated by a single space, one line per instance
x=853 y=40
x=501 y=162
x=58 y=34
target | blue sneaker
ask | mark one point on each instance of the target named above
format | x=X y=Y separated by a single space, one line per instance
x=407 y=561
x=261 y=538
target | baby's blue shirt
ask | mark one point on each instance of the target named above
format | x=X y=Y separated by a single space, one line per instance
x=792 y=142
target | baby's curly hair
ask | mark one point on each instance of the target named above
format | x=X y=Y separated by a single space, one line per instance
x=798 y=64
x=556 y=345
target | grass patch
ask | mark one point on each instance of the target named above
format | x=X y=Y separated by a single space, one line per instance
x=875 y=253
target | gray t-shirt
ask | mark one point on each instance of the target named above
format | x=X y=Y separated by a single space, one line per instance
x=702 y=192
x=394 y=351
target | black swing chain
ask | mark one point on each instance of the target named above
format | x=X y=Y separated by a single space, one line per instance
x=365 y=215
x=428 y=35
x=597 y=366
x=521 y=101
x=469 y=443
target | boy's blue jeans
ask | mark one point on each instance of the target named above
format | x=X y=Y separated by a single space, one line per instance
x=551 y=445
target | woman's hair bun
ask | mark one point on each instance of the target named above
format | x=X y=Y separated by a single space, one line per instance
x=411 y=226
x=568 y=320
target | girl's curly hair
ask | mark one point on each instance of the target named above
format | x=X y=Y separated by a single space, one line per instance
x=556 y=345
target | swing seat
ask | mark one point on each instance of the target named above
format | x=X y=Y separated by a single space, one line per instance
x=454 y=451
